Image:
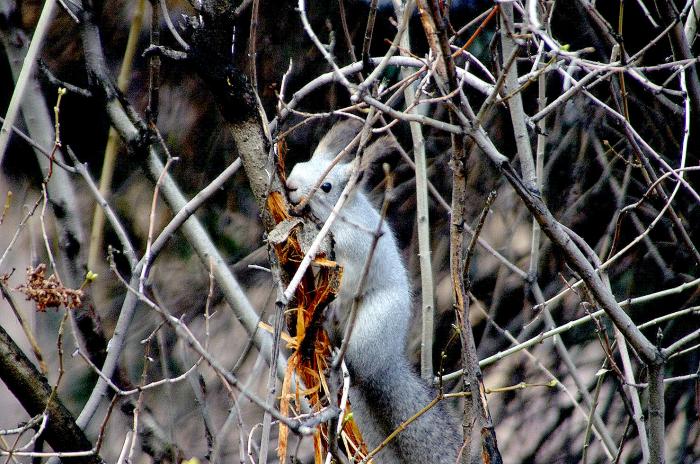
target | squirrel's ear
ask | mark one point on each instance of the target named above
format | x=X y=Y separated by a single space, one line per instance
x=380 y=150
x=337 y=139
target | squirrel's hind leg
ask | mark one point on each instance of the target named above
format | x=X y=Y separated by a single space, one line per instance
x=372 y=429
x=435 y=436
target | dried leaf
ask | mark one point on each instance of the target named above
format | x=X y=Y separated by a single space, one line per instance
x=49 y=292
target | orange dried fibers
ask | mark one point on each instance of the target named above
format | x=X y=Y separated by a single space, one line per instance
x=310 y=345
x=276 y=205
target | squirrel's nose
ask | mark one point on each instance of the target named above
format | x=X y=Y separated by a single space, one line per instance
x=292 y=185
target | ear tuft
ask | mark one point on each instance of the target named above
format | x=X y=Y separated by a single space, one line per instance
x=339 y=137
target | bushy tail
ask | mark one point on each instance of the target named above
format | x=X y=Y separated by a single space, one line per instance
x=381 y=404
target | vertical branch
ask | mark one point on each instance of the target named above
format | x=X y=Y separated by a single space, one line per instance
x=471 y=381
x=681 y=49
x=539 y=168
x=622 y=52
x=476 y=410
x=110 y=156
x=367 y=43
x=515 y=104
x=691 y=23
x=252 y=45
x=271 y=382
x=631 y=390
x=346 y=31
x=154 y=70
x=657 y=424
x=589 y=424
x=423 y=220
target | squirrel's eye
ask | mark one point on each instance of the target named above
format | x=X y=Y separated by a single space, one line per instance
x=326 y=187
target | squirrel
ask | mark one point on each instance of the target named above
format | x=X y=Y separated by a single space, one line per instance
x=385 y=390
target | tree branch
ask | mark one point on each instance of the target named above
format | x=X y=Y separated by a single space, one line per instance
x=33 y=391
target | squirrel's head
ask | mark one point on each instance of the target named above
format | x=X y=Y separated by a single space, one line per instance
x=307 y=175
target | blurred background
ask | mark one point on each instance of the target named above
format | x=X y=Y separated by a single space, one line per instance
x=591 y=171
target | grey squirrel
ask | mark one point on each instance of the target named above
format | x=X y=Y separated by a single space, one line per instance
x=385 y=390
